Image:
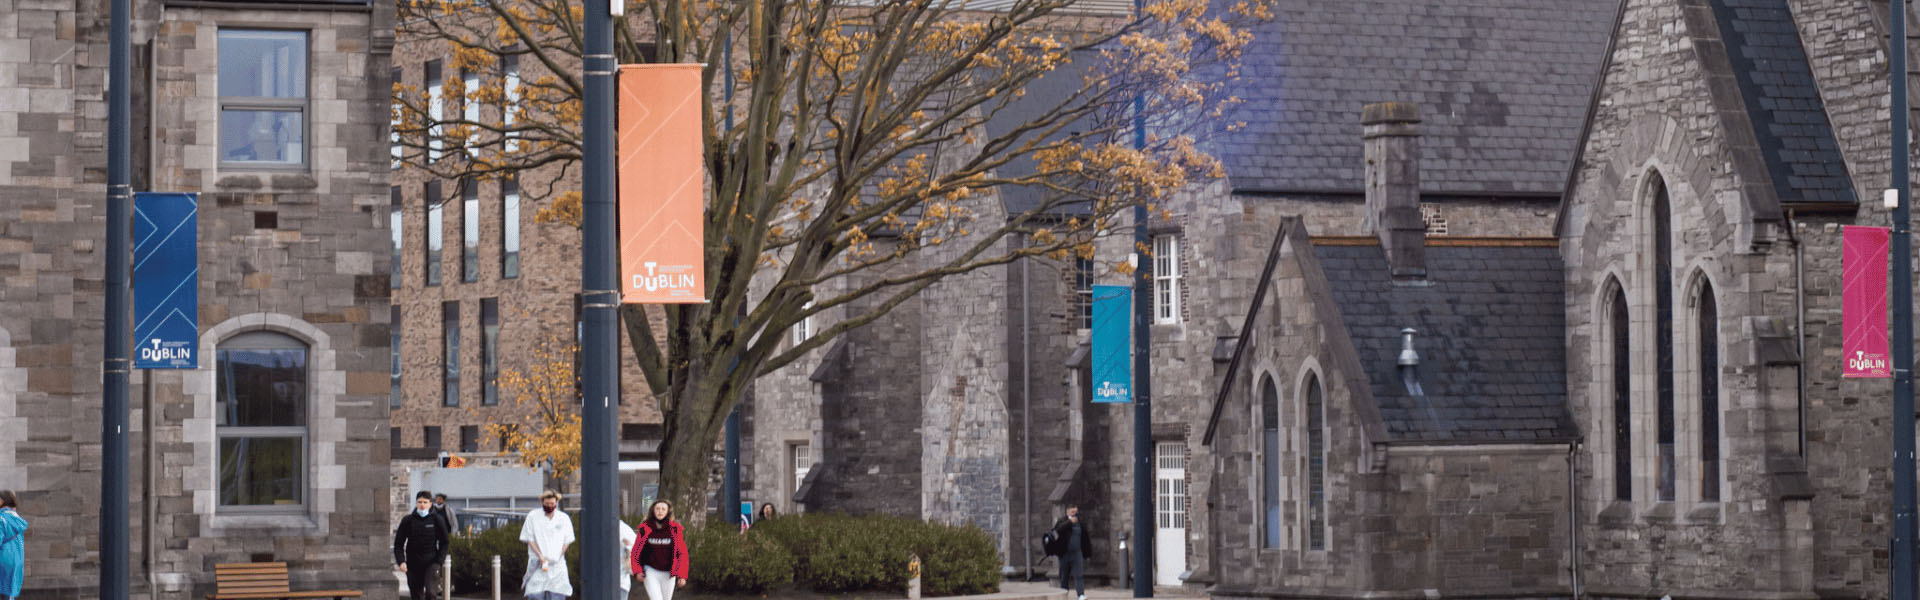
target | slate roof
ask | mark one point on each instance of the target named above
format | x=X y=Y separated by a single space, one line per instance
x=1789 y=121
x=1503 y=86
x=1490 y=327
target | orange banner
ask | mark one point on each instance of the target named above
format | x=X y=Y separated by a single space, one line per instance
x=662 y=185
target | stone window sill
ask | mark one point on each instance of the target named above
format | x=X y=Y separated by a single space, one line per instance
x=275 y=525
x=1706 y=512
x=1661 y=512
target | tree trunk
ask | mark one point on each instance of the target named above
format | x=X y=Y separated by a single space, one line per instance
x=687 y=454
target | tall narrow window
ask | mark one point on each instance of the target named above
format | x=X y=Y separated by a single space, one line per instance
x=263 y=98
x=393 y=129
x=469 y=438
x=1083 y=292
x=1316 y=466
x=436 y=230
x=803 y=329
x=450 y=352
x=260 y=416
x=470 y=108
x=396 y=227
x=510 y=107
x=1622 y=398
x=396 y=399
x=509 y=228
x=1166 y=279
x=489 y=351
x=1269 y=464
x=1709 y=315
x=393 y=438
x=1663 y=304
x=470 y=232
x=436 y=109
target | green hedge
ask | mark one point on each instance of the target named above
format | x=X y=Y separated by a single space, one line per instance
x=822 y=553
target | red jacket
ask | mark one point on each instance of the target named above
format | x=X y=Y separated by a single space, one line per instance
x=679 y=548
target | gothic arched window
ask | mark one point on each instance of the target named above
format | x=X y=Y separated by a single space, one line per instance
x=1622 y=355
x=1708 y=316
x=1663 y=324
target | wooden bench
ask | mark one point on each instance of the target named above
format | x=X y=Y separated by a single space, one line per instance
x=262 y=581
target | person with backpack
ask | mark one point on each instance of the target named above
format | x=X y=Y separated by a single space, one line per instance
x=1072 y=542
x=660 y=560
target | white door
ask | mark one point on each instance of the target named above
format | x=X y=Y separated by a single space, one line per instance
x=1170 y=540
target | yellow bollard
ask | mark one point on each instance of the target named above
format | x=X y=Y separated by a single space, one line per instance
x=913 y=577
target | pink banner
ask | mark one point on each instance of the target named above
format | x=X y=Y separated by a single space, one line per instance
x=1864 y=302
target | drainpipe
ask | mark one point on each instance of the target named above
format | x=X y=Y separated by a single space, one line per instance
x=1573 y=513
x=1799 y=329
x=153 y=183
x=1026 y=412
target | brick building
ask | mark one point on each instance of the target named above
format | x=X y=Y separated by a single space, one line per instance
x=483 y=289
x=272 y=114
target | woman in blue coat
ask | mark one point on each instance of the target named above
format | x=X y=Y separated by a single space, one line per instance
x=13 y=546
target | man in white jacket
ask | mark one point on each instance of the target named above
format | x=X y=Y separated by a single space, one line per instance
x=547 y=531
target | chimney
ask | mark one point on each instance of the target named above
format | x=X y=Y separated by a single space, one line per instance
x=1392 y=133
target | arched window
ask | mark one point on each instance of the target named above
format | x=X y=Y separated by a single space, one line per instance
x=1269 y=464
x=1663 y=324
x=261 y=420
x=1709 y=351
x=1622 y=356
x=1316 y=466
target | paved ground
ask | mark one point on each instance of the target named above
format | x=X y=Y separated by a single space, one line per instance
x=1011 y=590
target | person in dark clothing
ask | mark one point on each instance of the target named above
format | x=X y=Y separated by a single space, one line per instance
x=1075 y=545
x=419 y=543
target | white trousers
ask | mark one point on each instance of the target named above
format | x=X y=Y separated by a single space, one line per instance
x=659 y=584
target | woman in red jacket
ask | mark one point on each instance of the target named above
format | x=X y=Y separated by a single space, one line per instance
x=661 y=560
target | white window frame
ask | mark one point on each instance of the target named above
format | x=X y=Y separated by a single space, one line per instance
x=510 y=76
x=470 y=109
x=803 y=330
x=1166 y=279
x=436 y=108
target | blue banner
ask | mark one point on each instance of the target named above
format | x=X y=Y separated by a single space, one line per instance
x=166 y=275
x=1112 y=347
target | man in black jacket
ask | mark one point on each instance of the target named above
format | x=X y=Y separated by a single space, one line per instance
x=419 y=543
x=1075 y=544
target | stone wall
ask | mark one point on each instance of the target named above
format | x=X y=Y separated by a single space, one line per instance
x=300 y=272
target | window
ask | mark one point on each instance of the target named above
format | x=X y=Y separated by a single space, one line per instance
x=1663 y=353
x=802 y=462
x=803 y=329
x=261 y=420
x=393 y=438
x=470 y=109
x=510 y=85
x=393 y=128
x=1170 y=491
x=509 y=228
x=1083 y=292
x=469 y=438
x=396 y=399
x=470 y=232
x=396 y=227
x=432 y=433
x=450 y=352
x=1709 y=346
x=1622 y=398
x=1166 y=279
x=436 y=109
x=435 y=232
x=263 y=98
x=1270 y=463
x=489 y=351
x=506 y=432
x=1316 y=466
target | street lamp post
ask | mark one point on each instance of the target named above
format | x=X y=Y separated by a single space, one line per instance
x=115 y=367
x=599 y=269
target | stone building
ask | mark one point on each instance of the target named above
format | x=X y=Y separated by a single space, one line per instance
x=272 y=114
x=1729 y=142
x=1503 y=85
x=484 y=289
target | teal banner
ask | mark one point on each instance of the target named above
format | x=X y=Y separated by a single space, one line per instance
x=1112 y=356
